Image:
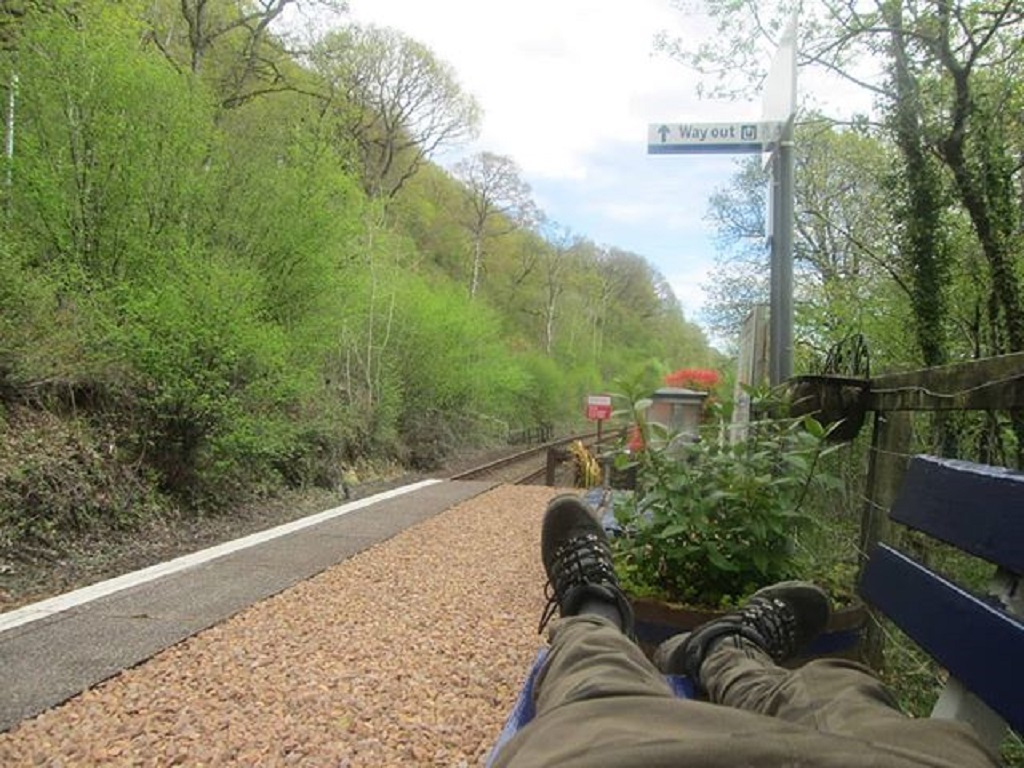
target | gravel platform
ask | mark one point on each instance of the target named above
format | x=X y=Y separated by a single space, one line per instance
x=409 y=653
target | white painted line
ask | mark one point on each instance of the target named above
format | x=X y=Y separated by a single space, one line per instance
x=84 y=595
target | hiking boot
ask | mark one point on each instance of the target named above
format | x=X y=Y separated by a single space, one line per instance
x=781 y=620
x=578 y=561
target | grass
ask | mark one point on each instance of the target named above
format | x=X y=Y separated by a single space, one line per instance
x=916 y=681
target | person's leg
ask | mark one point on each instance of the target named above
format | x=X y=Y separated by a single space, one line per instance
x=600 y=704
x=592 y=694
x=590 y=658
x=592 y=653
x=736 y=661
x=829 y=694
x=834 y=696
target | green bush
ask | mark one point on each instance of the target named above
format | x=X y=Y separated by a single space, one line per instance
x=712 y=518
x=108 y=176
x=550 y=397
x=211 y=380
x=451 y=362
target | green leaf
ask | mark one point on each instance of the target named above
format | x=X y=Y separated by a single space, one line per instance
x=831 y=482
x=798 y=462
x=720 y=495
x=814 y=427
x=718 y=560
x=671 y=530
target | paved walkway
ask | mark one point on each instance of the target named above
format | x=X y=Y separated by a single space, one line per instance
x=53 y=650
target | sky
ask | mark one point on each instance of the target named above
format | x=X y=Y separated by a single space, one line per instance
x=567 y=89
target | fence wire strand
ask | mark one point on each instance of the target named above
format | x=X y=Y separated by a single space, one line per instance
x=948 y=395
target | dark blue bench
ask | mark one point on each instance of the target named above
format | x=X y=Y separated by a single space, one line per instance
x=978 y=639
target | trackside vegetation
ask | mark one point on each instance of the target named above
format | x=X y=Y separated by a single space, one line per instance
x=228 y=266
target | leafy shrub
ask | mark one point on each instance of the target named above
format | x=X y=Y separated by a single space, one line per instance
x=211 y=378
x=452 y=362
x=713 y=519
x=109 y=173
x=550 y=397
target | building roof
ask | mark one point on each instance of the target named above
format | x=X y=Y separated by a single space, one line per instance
x=678 y=393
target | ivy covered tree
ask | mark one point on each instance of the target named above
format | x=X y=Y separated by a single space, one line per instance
x=949 y=94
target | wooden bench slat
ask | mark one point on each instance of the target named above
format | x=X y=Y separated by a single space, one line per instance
x=977 y=508
x=979 y=644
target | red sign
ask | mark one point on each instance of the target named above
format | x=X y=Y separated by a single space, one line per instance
x=599 y=407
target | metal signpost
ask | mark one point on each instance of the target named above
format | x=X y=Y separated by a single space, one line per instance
x=779 y=107
x=599 y=409
x=773 y=134
x=700 y=138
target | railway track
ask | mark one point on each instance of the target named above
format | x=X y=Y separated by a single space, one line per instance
x=528 y=467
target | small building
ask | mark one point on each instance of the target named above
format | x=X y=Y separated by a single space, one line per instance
x=678 y=409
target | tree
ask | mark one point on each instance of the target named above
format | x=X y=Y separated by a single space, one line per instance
x=14 y=13
x=740 y=277
x=969 y=39
x=251 y=60
x=394 y=100
x=625 y=298
x=922 y=203
x=953 y=95
x=845 y=274
x=498 y=202
x=212 y=288
x=111 y=142
x=562 y=253
x=291 y=213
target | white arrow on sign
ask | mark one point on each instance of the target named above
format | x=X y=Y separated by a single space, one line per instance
x=686 y=138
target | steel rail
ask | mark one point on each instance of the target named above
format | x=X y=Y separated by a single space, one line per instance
x=519 y=458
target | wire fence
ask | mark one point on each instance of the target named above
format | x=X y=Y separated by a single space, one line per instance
x=972 y=411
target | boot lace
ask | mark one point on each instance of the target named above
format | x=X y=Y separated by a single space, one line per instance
x=578 y=562
x=774 y=623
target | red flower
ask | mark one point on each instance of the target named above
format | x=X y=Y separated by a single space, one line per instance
x=636 y=439
x=693 y=378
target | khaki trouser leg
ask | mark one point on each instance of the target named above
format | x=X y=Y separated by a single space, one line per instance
x=833 y=696
x=830 y=695
x=580 y=646
x=601 y=704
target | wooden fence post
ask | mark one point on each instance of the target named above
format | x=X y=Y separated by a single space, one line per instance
x=890 y=445
x=555 y=457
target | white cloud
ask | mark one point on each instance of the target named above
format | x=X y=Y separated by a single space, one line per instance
x=625 y=212
x=557 y=78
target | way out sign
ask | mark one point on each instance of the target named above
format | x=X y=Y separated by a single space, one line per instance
x=599 y=407
x=700 y=138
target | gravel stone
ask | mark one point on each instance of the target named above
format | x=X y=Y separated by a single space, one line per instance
x=410 y=653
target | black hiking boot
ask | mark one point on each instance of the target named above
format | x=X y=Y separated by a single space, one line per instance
x=578 y=562
x=781 y=620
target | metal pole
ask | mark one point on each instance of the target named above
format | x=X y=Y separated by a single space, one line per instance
x=784 y=232
x=780 y=105
x=780 y=320
x=773 y=273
